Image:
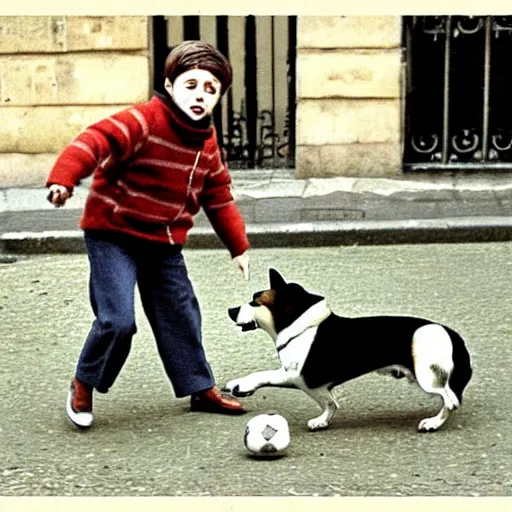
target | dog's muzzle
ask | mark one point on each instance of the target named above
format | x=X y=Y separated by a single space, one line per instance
x=243 y=316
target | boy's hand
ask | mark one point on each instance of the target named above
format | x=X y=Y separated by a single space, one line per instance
x=58 y=195
x=242 y=262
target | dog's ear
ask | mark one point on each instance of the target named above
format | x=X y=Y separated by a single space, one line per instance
x=276 y=279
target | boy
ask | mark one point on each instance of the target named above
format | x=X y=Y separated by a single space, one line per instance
x=154 y=166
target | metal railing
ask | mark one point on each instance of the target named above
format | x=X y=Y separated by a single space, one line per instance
x=458 y=104
x=255 y=121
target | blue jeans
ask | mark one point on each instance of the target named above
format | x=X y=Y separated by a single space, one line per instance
x=117 y=264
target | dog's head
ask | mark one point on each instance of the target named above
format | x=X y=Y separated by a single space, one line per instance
x=276 y=308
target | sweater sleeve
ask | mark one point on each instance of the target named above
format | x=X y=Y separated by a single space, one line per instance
x=221 y=210
x=100 y=145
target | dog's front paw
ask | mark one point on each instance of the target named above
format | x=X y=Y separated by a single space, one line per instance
x=317 y=424
x=239 y=388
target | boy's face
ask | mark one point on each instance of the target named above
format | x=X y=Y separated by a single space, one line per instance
x=196 y=92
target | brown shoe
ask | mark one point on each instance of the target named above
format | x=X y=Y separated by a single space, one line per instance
x=212 y=400
x=79 y=404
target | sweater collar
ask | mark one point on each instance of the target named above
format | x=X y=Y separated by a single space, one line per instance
x=188 y=130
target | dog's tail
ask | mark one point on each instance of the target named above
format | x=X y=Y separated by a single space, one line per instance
x=462 y=366
x=439 y=363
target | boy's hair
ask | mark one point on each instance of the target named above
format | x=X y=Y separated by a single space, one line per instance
x=198 y=54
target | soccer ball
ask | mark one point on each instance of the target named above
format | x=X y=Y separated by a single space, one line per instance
x=267 y=435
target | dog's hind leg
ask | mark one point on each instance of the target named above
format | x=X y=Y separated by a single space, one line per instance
x=323 y=397
x=434 y=423
x=433 y=365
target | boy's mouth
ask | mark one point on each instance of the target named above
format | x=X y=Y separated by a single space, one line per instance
x=197 y=110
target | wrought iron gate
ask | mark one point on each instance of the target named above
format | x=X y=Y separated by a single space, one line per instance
x=255 y=122
x=458 y=110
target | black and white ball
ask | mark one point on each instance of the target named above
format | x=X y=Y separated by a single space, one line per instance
x=267 y=435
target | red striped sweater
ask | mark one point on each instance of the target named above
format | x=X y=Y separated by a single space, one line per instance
x=153 y=171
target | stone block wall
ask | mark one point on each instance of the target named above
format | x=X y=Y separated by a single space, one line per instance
x=57 y=75
x=60 y=73
x=349 y=109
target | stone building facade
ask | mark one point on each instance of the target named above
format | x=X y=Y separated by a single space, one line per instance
x=349 y=120
x=60 y=73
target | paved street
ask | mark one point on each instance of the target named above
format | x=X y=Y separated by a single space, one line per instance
x=145 y=443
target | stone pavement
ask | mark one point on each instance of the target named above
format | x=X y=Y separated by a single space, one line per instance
x=145 y=443
x=281 y=211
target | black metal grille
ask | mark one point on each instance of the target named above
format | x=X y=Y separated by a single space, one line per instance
x=458 y=111
x=248 y=133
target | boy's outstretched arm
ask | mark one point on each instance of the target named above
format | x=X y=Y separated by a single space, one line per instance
x=99 y=147
x=58 y=195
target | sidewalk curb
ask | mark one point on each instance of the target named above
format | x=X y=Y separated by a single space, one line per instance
x=279 y=235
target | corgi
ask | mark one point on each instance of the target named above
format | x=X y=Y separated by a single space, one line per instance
x=319 y=350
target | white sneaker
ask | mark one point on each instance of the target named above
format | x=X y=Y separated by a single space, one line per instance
x=83 y=418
